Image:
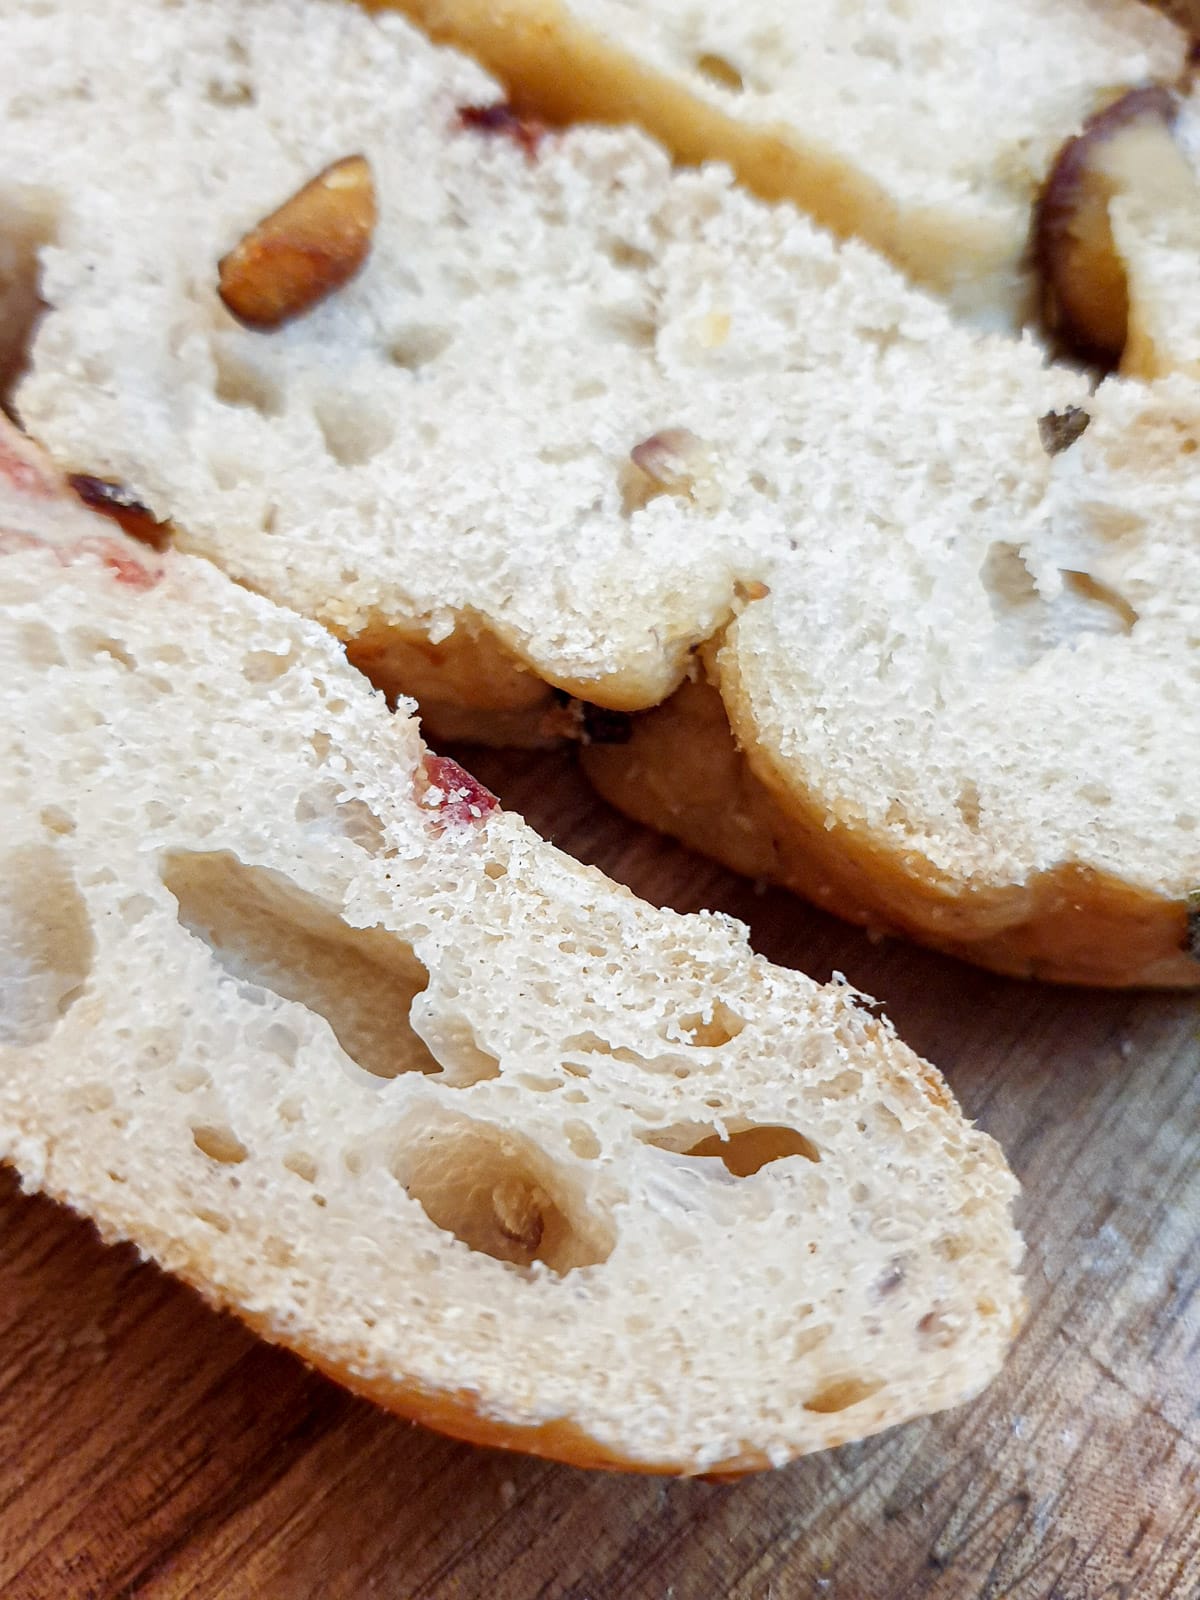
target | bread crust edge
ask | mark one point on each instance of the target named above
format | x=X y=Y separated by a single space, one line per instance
x=1070 y=925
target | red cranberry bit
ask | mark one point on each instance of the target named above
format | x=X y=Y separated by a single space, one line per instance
x=19 y=466
x=502 y=119
x=125 y=568
x=454 y=793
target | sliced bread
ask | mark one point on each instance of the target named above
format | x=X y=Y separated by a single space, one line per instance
x=576 y=413
x=924 y=130
x=294 y=1006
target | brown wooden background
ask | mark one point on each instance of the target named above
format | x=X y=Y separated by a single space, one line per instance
x=150 y=1448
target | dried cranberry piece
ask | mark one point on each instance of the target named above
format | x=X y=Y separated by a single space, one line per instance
x=459 y=797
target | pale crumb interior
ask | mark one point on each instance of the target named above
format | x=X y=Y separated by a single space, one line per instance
x=985 y=652
x=427 y=1099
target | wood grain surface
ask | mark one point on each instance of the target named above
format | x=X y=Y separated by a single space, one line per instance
x=151 y=1448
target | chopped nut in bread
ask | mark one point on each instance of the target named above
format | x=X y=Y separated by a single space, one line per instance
x=311 y=245
x=500 y=118
x=1126 y=148
x=1058 y=430
x=127 y=511
x=673 y=461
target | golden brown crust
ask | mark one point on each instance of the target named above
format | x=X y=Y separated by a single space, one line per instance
x=683 y=773
x=471 y=669
x=455 y=1413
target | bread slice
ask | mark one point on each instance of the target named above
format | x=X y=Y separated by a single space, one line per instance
x=574 y=418
x=290 y=1003
x=992 y=747
x=927 y=135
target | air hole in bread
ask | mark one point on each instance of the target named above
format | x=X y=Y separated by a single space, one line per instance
x=536 y=1084
x=94 y=1097
x=28 y=222
x=806 y=1340
x=229 y=92
x=629 y=324
x=46 y=945
x=264 y=931
x=763 y=486
x=841 y=1393
x=622 y=253
x=953 y=1246
x=465 y=1061
x=135 y=908
x=1108 y=611
x=582 y=1140
x=329 y=810
x=89 y=642
x=719 y=70
x=592 y=1044
x=240 y=381
x=214 y=1219
x=37 y=644
x=1029 y=625
x=745 y=1151
x=354 y=429
x=416 y=345
x=499 y=1194
x=265 y=666
x=848 y=1082
x=302 y=1163
x=277 y=1253
x=189 y=1077
x=937 y=1329
x=967 y=804
x=713 y=1027
x=561 y=455
x=219 y=1143
x=57 y=821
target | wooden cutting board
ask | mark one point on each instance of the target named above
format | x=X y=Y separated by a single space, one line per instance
x=151 y=1448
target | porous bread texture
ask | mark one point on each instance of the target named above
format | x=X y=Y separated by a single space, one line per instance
x=1021 y=742
x=997 y=749
x=925 y=130
x=374 y=465
x=293 y=1006
x=436 y=463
